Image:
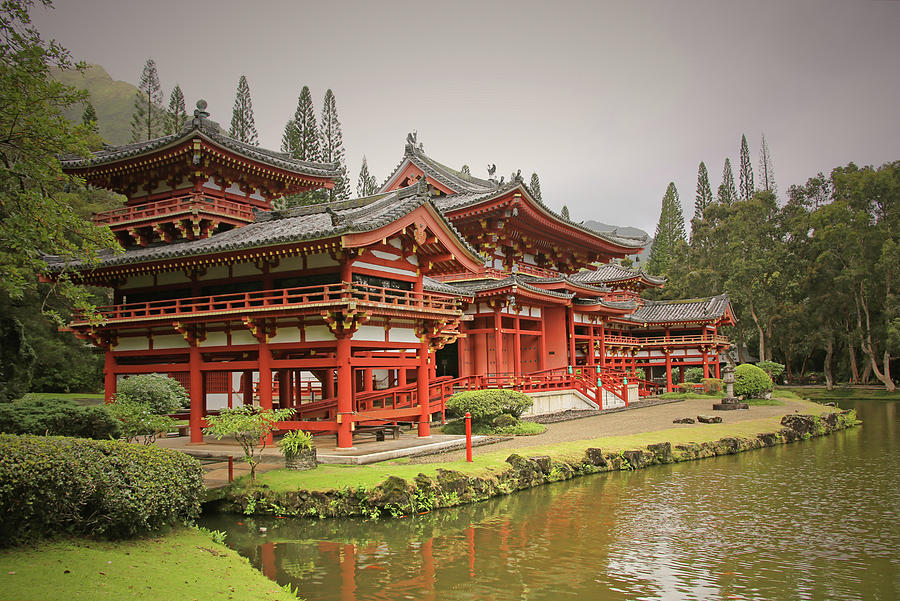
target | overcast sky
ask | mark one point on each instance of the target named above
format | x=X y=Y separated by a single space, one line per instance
x=606 y=101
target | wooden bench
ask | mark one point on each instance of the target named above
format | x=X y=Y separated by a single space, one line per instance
x=379 y=431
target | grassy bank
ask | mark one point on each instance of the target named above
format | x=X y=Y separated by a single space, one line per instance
x=820 y=393
x=182 y=564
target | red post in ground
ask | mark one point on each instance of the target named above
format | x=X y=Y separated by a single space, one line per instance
x=468 y=437
x=231 y=468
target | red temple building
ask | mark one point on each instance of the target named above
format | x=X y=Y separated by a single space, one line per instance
x=370 y=311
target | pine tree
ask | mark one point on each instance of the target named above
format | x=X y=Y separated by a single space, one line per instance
x=727 y=193
x=89 y=116
x=746 y=173
x=367 y=184
x=669 y=231
x=766 y=172
x=331 y=145
x=465 y=170
x=301 y=135
x=565 y=213
x=177 y=114
x=243 y=125
x=704 y=193
x=535 y=187
x=147 y=120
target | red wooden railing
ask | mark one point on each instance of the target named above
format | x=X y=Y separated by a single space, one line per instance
x=327 y=295
x=179 y=205
x=662 y=340
x=493 y=273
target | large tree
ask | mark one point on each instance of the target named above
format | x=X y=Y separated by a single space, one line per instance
x=727 y=193
x=669 y=232
x=704 y=196
x=147 y=121
x=301 y=134
x=243 y=125
x=177 y=114
x=766 y=170
x=746 y=172
x=331 y=145
x=535 y=186
x=366 y=184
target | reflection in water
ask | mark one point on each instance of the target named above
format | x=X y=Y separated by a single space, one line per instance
x=815 y=520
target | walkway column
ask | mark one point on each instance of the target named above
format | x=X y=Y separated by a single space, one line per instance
x=265 y=376
x=328 y=385
x=602 y=344
x=109 y=376
x=570 y=315
x=344 y=394
x=669 y=386
x=705 y=363
x=248 y=387
x=498 y=340
x=542 y=360
x=422 y=392
x=196 y=380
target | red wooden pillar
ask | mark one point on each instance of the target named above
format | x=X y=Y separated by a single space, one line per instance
x=705 y=363
x=196 y=385
x=248 y=387
x=265 y=376
x=591 y=356
x=669 y=386
x=602 y=344
x=422 y=392
x=283 y=389
x=368 y=384
x=570 y=314
x=109 y=376
x=344 y=393
x=517 y=349
x=718 y=375
x=498 y=340
x=542 y=361
x=464 y=351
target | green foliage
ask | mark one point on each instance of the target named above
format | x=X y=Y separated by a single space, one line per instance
x=766 y=171
x=57 y=417
x=294 y=442
x=160 y=393
x=331 y=146
x=177 y=114
x=751 y=382
x=535 y=187
x=523 y=429
x=746 y=172
x=669 y=232
x=250 y=426
x=35 y=215
x=704 y=196
x=727 y=192
x=138 y=421
x=685 y=387
x=485 y=405
x=504 y=420
x=148 y=122
x=16 y=360
x=112 y=100
x=693 y=375
x=367 y=184
x=53 y=485
x=564 y=213
x=775 y=370
x=243 y=125
x=301 y=134
x=712 y=385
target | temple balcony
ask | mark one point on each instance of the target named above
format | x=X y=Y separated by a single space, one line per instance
x=492 y=273
x=336 y=301
x=667 y=342
x=187 y=217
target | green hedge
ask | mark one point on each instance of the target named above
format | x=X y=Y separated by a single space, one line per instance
x=485 y=405
x=161 y=393
x=55 y=485
x=751 y=382
x=57 y=417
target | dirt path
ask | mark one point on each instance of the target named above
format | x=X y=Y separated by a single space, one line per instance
x=646 y=419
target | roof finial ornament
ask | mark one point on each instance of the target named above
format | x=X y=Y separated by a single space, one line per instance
x=335 y=218
x=492 y=169
x=411 y=145
x=518 y=177
x=200 y=113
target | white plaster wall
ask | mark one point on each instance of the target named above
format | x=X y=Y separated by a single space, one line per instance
x=215 y=339
x=133 y=344
x=289 y=264
x=171 y=277
x=386 y=256
x=318 y=333
x=403 y=335
x=320 y=260
x=364 y=265
x=286 y=335
x=242 y=337
x=242 y=269
x=216 y=272
x=554 y=401
x=369 y=333
x=172 y=341
x=138 y=281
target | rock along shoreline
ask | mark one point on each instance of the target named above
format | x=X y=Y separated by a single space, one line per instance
x=398 y=497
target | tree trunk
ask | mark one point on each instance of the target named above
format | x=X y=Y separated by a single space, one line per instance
x=867 y=346
x=829 y=353
x=803 y=365
x=788 y=378
x=762 y=334
x=867 y=372
x=854 y=368
x=889 y=384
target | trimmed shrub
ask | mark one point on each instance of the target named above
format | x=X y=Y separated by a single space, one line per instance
x=161 y=393
x=100 y=488
x=137 y=420
x=57 y=417
x=504 y=420
x=751 y=382
x=775 y=370
x=712 y=385
x=685 y=387
x=485 y=405
x=693 y=375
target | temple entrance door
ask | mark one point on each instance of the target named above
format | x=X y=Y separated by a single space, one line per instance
x=447 y=360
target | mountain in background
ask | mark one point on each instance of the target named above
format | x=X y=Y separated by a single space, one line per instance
x=629 y=232
x=113 y=101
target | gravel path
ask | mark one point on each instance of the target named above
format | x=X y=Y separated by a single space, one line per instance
x=632 y=421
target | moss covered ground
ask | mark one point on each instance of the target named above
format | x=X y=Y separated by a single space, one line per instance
x=182 y=564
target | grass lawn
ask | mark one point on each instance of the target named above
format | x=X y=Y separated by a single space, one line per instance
x=82 y=398
x=183 y=564
x=845 y=392
x=329 y=477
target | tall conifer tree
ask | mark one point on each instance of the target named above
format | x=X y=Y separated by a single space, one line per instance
x=289 y=138
x=727 y=192
x=535 y=186
x=147 y=120
x=243 y=125
x=367 y=184
x=746 y=172
x=177 y=114
x=331 y=145
x=669 y=230
x=565 y=213
x=301 y=134
x=89 y=116
x=704 y=196
x=766 y=171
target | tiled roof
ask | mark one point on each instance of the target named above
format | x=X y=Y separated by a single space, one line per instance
x=476 y=286
x=431 y=285
x=698 y=309
x=270 y=228
x=626 y=305
x=205 y=129
x=612 y=272
x=449 y=177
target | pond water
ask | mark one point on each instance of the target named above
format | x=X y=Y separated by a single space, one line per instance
x=818 y=519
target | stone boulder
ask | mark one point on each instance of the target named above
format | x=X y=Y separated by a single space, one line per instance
x=595 y=457
x=684 y=420
x=709 y=419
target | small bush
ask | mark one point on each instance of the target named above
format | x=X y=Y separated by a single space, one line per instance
x=54 y=485
x=57 y=417
x=751 y=382
x=523 y=429
x=138 y=421
x=712 y=385
x=161 y=393
x=485 y=405
x=693 y=375
x=294 y=442
x=773 y=369
x=504 y=420
x=685 y=387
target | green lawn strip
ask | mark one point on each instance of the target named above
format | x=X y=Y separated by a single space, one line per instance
x=331 y=477
x=690 y=395
x=848 y=393
x=82 y=398
x=764 y=402
x=182 y=564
